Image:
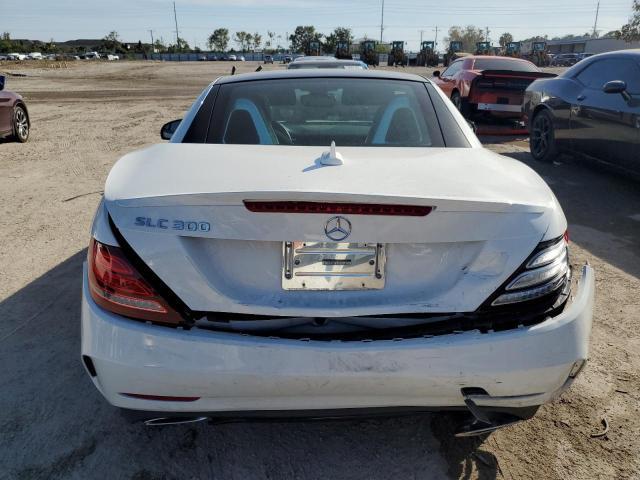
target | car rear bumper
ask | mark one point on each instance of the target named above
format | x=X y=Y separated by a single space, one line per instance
x=228 y=372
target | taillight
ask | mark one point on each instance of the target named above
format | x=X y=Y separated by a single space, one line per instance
x=544 y=272
x=117 y=286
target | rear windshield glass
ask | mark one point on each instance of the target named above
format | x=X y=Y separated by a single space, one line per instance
x=325 y=64
x=504 y=64
x=317 y=111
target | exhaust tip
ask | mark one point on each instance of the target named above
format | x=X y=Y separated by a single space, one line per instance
x=159 y=421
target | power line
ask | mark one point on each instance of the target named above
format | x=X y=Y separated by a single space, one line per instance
x=595 y=24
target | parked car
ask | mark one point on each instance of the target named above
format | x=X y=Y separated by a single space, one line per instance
x=344 y=64
x=232 y=58
x=565 y=60
x=488 y=84
x=268 y=59
x=592 y=109
x=16 y=56
x=35 y=56
x=110 y=57
x=241 y=58
x=406 y=268
x=14 y=116
x=287 y=59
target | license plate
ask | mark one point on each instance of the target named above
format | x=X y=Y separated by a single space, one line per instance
x=333 y=266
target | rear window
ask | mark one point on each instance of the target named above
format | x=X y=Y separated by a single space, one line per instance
x=504 y=64
x=317 y=111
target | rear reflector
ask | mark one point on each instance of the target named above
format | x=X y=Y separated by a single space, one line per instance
x=338 y=208
x=161 y=398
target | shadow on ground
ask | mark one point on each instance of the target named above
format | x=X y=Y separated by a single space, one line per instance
x=56 y=425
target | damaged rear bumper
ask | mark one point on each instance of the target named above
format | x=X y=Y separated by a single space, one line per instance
x=226 y=372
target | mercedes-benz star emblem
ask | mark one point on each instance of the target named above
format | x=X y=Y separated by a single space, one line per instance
x=337 y=228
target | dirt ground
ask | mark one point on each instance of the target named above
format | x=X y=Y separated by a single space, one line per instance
x=54 y=424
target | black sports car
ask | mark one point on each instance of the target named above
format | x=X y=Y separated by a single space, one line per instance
x=592 y=109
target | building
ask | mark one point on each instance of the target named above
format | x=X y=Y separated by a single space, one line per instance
x=589 y=45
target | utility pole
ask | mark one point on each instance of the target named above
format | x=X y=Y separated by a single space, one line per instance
x=153 y=48
x=421 y=32
x=175 y=18
x=487 y=30
x=595 y=24
x=382 y=21
x=435 y=42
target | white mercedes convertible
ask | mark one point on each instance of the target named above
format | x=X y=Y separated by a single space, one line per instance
x=325 y=243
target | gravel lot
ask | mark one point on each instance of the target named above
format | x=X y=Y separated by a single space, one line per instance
x=54 y=424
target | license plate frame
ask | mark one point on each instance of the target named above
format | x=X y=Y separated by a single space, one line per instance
x=333 y=266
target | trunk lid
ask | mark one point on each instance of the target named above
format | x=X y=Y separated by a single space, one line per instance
x=181 y=208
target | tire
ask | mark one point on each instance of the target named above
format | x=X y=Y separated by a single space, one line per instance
x=20 y=124
x=542 y=139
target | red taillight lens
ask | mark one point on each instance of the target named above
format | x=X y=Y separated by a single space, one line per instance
x=117 y=286
x=338 y=208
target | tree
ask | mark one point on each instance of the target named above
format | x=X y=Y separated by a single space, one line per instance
x=302 y=36
x=469 y=36
x=242 y=38
x=270 y=36
x=159 y=46
x=340 y=34
x=180 y=46
x=219 y=39
x=505 y=39
x=111 y=41
x=5 y=42
x=257 y=41
x=631 y=31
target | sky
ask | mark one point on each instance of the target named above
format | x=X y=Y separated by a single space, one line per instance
x=403 y=19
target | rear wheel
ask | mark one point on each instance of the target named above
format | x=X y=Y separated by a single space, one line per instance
x=542 y=140
x=20 y=124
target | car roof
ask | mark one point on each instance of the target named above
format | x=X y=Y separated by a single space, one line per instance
x=314 y=58
x=508 y=59
x=327 y=64
x=320 y=73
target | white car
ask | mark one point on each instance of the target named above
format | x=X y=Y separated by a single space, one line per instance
x=16 y=56
x=324 y=243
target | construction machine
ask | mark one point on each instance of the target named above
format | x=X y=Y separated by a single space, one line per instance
x=539 y=54
x=512 y=49
x=483 y=48
x=397 y=56
x=452 y=54
x=368 y=53
x=427 y=55
x=342 y=51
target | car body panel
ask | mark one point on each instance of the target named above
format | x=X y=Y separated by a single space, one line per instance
x=500 y=99
x=8 y=100
x=492 y=221
x=231 y=372
x=587 y=120
x=175 y=215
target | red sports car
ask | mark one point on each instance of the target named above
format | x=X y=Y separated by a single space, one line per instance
x=489 y=84
x=14 y=117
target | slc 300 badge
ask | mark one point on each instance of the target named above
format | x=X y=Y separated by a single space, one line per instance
x=166 y=224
